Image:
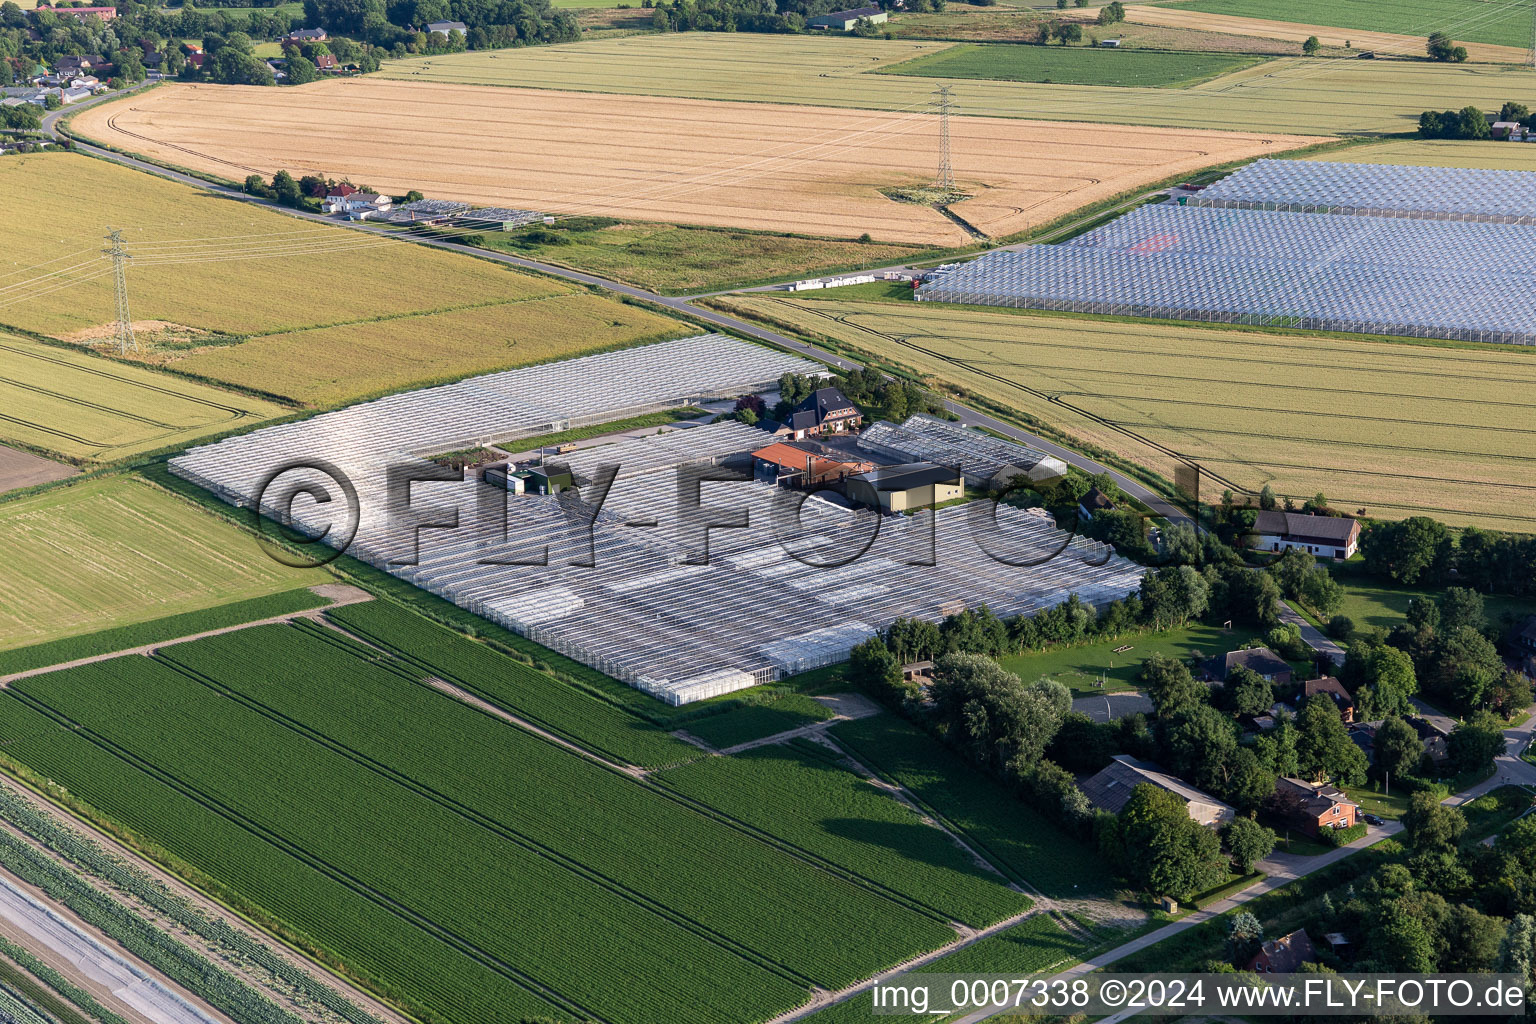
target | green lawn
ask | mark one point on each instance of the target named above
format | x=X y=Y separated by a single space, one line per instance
x=1081 y=668
x=1371 y=801
x=1369 y=602
x=1064 y=65
x=1475 y=21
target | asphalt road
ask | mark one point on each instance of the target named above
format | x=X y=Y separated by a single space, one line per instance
x=684 y=305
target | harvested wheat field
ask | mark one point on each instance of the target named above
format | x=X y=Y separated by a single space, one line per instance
x=1398 y=429
x=1360 y=39
x=747 y=165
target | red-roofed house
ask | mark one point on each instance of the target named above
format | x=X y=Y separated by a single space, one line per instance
x=325 y=61
x=82 y=13
x=805 y=465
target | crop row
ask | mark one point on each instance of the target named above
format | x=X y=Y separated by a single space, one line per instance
x=1007 y=831
x=524 y=691
x=834 y=813
x=732 y=886
x=235 y=943
x=400 y=961
x=490 y=900
x=169 y=955
x=447 y=872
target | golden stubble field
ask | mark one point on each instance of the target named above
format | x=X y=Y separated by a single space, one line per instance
x=1395 y=428
x=311 y=313
x=749 y=165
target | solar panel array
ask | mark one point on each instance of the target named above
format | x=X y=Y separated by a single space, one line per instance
x=1389 y=190
x=982 y=457
x=615 y=585
x=1360 y=274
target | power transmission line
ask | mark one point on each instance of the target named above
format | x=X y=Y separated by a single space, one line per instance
x=125 y=338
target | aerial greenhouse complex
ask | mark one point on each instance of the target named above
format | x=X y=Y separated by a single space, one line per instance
x=1378 y=190
x=682 y=603
x=1365 y=274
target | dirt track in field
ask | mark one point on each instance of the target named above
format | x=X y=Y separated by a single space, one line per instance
x=1389 y=43
x=758 y=166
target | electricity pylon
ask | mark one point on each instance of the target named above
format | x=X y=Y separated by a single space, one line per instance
x=125 y=338
x=946 y=179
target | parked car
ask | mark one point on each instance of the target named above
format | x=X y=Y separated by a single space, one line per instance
x=1372 y=819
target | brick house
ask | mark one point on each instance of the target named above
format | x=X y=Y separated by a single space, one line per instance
x=1313 y=806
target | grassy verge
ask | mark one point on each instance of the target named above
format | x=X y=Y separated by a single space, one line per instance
x=1081 y=669
x=650 y=419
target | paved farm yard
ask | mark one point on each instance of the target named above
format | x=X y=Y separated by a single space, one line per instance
x=749 y=165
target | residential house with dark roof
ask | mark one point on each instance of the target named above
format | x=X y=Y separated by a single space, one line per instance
x=824 y=411
x=1313 y=806
x=299 y=37
x=1522 y=641
x=85 y=64
x=1324 y=536
x=904 y=488
x=1094 y=501
x=1265 y=662
x=1111 y=788
x=1284 y=955
x=1330 y=686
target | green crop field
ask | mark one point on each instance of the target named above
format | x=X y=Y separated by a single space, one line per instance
x=684 y=260
x=312 y=312
x=1072 y=65
x=85 y=407
x=1285 y=95
x=828 y=810
x=1036 y=945
x=1478 y=21
x=512 y=875
x=519 y=689
x=742 y=725
x=1080 y=669
x=117 y=551
x=1397 y=429
x=1012 y=835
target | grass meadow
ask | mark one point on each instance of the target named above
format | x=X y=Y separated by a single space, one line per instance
x=1285 y=95
x=1081 y=669
x=89 y=408
x=682 y=260
x=1493 y=156
x=1398 y=429
x=309 y=312
x=1072 y=66
x=115 y=551
x=1478 y=21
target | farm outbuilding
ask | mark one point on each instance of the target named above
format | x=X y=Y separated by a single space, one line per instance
x=907 y=487
x=844 y=21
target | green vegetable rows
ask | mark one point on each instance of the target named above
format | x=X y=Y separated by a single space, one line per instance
x=524 y=691
x=468 y=868
x=741 y=725
x=1010 y=833
x=830 y=811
